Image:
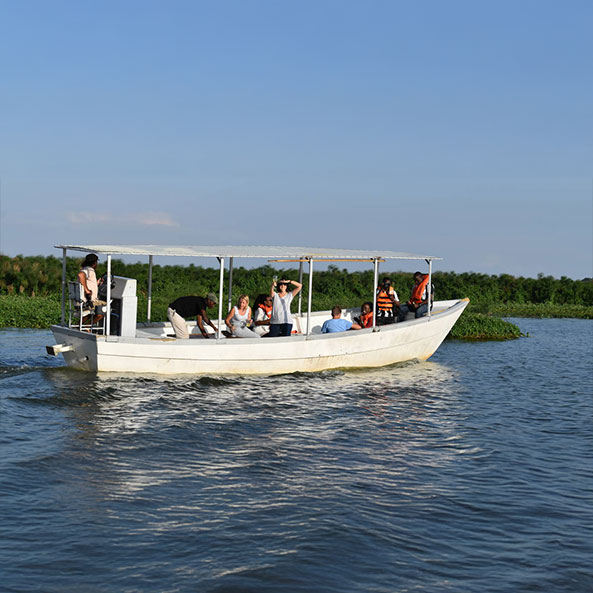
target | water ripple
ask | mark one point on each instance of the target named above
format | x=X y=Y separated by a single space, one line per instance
x=470 y=472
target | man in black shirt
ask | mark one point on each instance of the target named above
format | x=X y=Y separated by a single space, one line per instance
x=188 y=306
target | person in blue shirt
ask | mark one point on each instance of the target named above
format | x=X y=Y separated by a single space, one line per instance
x=337 y=324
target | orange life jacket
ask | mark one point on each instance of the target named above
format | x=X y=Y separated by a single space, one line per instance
x=418 y=290
x=366 y=320
x=266 y=309
x=384 y=303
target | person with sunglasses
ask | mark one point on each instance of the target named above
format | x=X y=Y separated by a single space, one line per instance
x=281 y=320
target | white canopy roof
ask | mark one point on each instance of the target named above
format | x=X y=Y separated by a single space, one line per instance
x=269 y=252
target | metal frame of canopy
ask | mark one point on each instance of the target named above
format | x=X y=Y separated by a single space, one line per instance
x=272 y=254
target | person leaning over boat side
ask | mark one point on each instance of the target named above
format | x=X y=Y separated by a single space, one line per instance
x=366 y=315
x=387 y=303
x=281 y=321
x=90 y=285
x=262 y=313
x=337 y=324
x=188 y=306
x=239 y=318
x=418 y=303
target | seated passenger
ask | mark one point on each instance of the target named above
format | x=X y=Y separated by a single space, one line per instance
x=262 y=314
x=387 y=303
x=337 y=324
x=88 y=279
x=418 y=303
x=366 y=316
x=239 y=318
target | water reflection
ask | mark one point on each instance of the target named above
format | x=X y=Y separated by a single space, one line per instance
x=256 y=427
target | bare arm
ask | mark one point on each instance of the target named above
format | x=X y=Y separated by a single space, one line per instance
x=272 y=293
x=82 y=280
x=201 y=318
x=228 y=318
x=263 y=321
x=296 y=290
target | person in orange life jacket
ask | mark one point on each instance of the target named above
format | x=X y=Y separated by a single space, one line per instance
x=262 y=313
x=418 y=303
x=387 y=303
x=366 y=315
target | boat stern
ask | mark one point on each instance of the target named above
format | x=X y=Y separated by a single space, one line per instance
x=78 y=348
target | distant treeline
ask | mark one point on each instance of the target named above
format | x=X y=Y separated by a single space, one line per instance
x=42 y=276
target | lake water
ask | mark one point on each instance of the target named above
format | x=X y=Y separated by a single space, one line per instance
x=472 y=472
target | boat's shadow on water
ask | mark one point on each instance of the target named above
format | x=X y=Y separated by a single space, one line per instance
x=116 y=402
x=75 y=386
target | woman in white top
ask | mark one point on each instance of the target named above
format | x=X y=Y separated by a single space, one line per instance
x=88 y=279
x=239 y=318
x=281 y=322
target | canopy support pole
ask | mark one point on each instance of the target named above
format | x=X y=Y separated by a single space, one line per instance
x=300 y=282
x=375 y=284
x=220 y=287
x=230 y=301
x=310 y=295
x=149 y=306
x=108 y=313
x=63 y=286
x=428 y=288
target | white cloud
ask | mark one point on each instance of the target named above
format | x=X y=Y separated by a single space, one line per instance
x=153 y=218
x=88 y=217
x=142 y=219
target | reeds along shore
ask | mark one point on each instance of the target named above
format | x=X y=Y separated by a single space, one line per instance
x=30 y=292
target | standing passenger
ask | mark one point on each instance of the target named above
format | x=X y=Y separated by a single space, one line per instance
x=281 y=322
x=188 y=306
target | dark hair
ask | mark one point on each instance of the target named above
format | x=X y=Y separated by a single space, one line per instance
x=90 y=260
x=336 y=310
x=261 y=298
x=367 y=303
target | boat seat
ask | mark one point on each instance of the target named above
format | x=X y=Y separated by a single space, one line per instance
x=79 y=315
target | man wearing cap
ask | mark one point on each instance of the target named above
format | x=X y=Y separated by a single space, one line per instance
x=188 y=306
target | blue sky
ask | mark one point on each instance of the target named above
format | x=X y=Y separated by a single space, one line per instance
x=462 y=129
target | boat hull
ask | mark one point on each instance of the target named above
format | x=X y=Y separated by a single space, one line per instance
x=400 y=342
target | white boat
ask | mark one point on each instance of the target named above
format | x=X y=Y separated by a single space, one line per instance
x=148 y=347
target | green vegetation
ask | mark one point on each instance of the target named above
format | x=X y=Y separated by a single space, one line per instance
x=30 y=292
x=478 y=326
